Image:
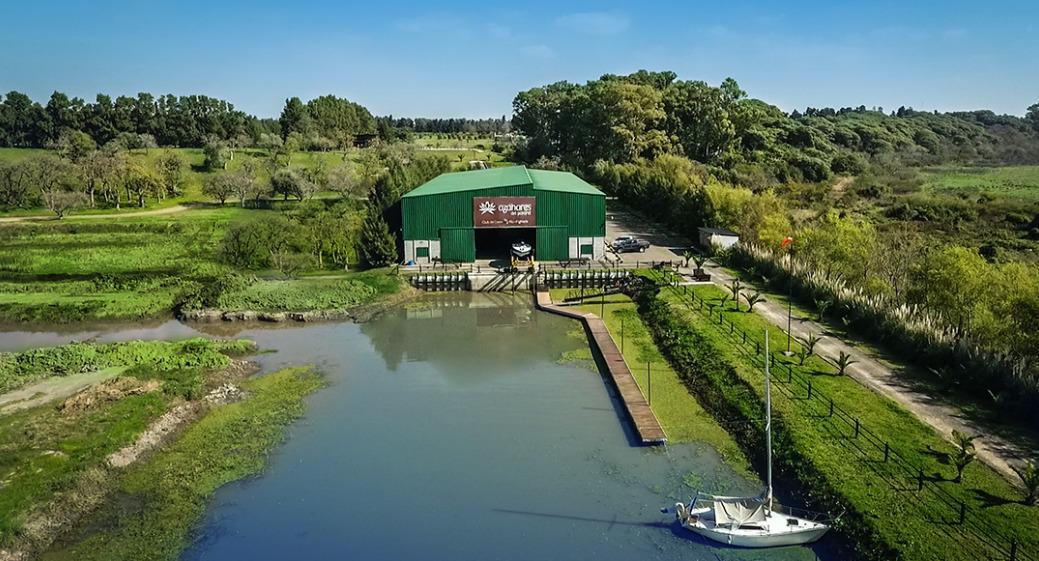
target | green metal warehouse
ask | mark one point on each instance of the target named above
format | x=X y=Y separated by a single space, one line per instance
x=459 y=217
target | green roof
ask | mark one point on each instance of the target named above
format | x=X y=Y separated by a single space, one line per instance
x=511 y=176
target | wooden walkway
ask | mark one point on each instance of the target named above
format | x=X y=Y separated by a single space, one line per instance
x=646 y=424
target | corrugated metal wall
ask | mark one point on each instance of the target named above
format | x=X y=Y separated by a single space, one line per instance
x=457 y=245
x=584 y=215
x=439 y=216
x=552 y=244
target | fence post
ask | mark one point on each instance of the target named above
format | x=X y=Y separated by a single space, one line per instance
x=831 y=410
x=790 y=376
x=809 y=389
x=963 y=511
x=887 y=451
x=744 y=337
x=856 y=428
x=757 y=347
x=920 y=480
x=1013 y=549
x=732 y=328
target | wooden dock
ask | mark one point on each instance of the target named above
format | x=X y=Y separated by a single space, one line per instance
x=646 y=424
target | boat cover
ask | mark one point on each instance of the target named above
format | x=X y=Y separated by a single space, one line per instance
x=739 y=511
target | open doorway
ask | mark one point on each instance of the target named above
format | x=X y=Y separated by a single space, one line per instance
x=495 y=244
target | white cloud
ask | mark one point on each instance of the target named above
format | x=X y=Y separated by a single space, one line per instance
x=538 y=51
x=594 y=23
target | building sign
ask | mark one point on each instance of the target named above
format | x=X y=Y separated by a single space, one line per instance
x=503 y=212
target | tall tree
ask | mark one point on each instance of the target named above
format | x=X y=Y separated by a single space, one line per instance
x=294 y=118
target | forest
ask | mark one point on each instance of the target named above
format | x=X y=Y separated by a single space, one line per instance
x=836 y=206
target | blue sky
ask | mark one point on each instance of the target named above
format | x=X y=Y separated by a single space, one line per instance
x=470 y=58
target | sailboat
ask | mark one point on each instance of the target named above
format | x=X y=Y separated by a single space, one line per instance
x=751 y=521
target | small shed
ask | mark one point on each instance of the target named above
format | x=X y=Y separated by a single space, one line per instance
x=711 y=238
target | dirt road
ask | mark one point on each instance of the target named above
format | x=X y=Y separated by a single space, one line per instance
x=870 y=370
x=131 y=214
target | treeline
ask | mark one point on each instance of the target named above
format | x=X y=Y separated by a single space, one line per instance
x=164 y=120
x=479 y=126
x=323 y=123
x=624 y=119
x=326 y=122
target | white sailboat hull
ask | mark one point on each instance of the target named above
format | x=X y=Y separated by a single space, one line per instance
x=779 y=530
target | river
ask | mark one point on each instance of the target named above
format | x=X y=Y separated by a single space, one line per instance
x=452 y=429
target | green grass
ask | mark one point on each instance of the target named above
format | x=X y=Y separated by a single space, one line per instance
x=44 y=450
x=174 y=486
x=194 y=174
x=680 y=414
x=21 y=368
x=142 y=267
x=305 y=294
x=860 y=478
x=1011 y=181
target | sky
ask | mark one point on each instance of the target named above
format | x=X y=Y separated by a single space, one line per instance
x=469 y=59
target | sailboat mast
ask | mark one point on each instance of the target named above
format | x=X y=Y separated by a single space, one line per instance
x=768 y=422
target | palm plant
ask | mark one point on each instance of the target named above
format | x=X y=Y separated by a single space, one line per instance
x=810 y=342
x=753 y=298
x=723 y=299
x=735 y=287
x=802 y=355
x=822 y=306
x=700 y=260
x=964 y=453
x=1029 y=475
x=688 y=256
x=844 y=360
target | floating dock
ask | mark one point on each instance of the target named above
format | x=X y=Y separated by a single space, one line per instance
x=646 y=424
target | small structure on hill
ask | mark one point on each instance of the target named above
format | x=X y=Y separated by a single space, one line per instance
x=720 y=238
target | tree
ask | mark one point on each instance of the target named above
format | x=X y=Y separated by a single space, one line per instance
x=16 y=185
x=215 y=152
x=1029 y=475
x=101 y=170
x=345 y=181
x=1033 y=116
x=294 y=118
x=378 y=245
x=139 y=184
x=290 y=183
x=964 y=453
x=75 y=145
x=219 y=186
x=843 y=361
x=60 y=202
x=169 y=168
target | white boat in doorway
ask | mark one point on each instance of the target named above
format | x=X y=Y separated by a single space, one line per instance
x=751 y=521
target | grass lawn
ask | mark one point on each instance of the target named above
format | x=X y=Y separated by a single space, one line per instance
x=919 y=523
x=681 y=416
x=173 y=487
x=1012 y=181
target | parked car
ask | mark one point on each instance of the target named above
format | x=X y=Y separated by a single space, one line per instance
x=521 y=249
x=631 y=245
x=621 y=240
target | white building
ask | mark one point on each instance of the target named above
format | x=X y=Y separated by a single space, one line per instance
x=718 y=238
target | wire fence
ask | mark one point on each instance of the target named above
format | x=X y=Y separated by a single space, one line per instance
x=957 y=518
